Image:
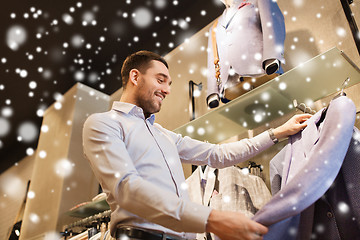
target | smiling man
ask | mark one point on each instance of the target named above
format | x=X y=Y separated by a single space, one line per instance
x=138 y=162
x=150 y=82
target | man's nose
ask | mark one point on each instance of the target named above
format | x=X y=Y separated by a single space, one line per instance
x=167 y=89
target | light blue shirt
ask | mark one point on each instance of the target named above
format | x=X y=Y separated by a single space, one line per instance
x=138 y=164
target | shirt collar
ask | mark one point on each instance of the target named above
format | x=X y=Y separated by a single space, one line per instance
x=132 y=109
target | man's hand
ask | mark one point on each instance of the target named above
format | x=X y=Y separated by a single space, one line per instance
x=234 y=226
x=292 y=126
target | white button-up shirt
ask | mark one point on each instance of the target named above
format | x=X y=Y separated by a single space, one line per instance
x=138 y=164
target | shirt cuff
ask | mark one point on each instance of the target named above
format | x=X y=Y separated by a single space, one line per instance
x=195 y=217
x=264 y=140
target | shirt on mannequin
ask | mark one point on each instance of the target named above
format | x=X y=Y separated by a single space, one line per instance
x=247 y=41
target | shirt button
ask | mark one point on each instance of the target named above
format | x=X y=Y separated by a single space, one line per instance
x=329 y=214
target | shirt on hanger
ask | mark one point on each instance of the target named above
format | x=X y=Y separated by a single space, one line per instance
x=306 y=169
x=227 y=189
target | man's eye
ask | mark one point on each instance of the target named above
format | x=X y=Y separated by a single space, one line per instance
x=160 y=80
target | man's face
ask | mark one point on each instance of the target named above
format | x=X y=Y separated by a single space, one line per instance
x=153 y=87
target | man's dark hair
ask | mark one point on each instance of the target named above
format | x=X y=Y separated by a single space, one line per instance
x=140 y=61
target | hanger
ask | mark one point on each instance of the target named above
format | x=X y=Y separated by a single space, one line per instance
x=254 y=165
x=302 y=107
x=342 y=93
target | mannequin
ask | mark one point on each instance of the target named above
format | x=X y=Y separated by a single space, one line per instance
x=248 y=39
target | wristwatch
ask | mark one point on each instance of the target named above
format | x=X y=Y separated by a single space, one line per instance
x=272 y=136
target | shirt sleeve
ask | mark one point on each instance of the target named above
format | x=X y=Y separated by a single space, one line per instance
x=114 y=168
x=220 y=155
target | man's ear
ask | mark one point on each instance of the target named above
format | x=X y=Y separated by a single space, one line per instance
x=134 y=76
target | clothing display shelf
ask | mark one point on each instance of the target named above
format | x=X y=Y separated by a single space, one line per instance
x=310 y=81
x=89 y=209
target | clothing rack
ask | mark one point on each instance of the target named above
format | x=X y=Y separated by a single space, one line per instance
x=302 y=107
x=256 y=169
x=86 y=222
x=254 y=165
x=91 y=223
x=305 y=109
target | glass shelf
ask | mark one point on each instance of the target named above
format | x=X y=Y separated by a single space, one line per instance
x=307 y=83
x=89 y=209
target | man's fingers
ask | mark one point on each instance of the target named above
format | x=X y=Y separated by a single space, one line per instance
x=303 y=125
x=256 y=236
x=261 y=230
x=303 y=117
